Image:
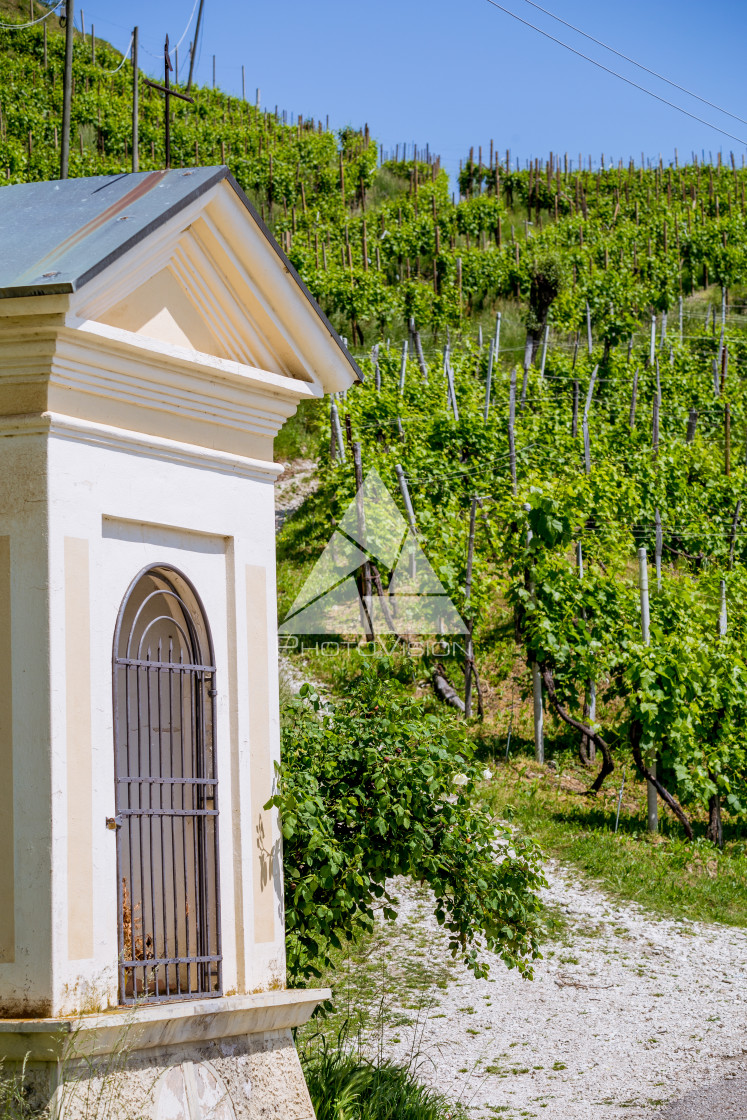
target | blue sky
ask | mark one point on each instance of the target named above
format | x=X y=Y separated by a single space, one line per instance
x=454 y=75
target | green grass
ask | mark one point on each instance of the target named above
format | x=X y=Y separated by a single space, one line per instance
x=665 y=874
x=345 y=1085
x=385 y=980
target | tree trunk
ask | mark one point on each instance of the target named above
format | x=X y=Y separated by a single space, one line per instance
x=445 y=690
x=715 y=831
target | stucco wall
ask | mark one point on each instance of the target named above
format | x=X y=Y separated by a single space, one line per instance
x=111 y=512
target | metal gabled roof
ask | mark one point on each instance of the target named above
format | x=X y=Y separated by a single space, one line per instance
x=57 y=235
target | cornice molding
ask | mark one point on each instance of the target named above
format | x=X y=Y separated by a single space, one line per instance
x=156 y=356
x=54 y=426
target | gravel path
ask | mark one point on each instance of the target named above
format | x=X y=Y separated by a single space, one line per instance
x=297 y=481
x=628 y=1016
x=625 y=1014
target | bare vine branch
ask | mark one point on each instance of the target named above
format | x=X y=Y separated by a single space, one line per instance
x=636 y=731
x=608 y=765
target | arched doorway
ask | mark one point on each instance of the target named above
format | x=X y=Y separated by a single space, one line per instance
x=166 y=792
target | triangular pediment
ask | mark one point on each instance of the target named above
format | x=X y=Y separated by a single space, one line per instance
x=163 y=309
x=211 y=281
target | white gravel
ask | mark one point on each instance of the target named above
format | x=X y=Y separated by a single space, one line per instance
x=297 y=481
x=625 y=1013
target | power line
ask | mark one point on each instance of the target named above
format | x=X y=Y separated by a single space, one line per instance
x=33 y=23
x=615 y=73
x=194 y=8
x=125 y=56
x=632 y=61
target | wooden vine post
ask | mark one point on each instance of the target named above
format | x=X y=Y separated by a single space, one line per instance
x=655 y=413
x=585 y=422
x=403 y=368
x=67 y=88
x=651 y=798
x=135 y=102
x=511 y=438
x=450 y=384
x=417 y=343
x=544 y=350
x=405 y=492
x=538 y=710
x=527 y=363
x=633 y=399
x=366 y=598
x=489 y=379
x=733 y=538
x=377 y=367
x=588 y=746
x=336 y=429
x=470 y=653
x=692 y=423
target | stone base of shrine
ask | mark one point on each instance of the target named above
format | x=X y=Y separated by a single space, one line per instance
x=228 y=1058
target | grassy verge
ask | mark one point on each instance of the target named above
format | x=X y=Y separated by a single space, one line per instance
x=345 y=1085
x=387 y=979
x=665 y=874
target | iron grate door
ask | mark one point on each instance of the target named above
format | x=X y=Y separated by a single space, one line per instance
x=166 y=794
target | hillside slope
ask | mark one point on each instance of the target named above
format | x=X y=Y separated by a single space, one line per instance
x=380 y=243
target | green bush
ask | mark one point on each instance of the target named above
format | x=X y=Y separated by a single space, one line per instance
x=371 y=787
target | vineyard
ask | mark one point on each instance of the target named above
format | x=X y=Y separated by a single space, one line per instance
x=555 y=360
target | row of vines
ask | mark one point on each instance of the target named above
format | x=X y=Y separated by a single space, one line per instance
x=381 y=245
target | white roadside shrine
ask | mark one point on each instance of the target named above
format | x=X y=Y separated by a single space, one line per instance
x=153 y=341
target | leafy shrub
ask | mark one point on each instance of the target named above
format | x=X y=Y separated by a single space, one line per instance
x=372 y=787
